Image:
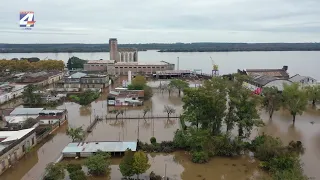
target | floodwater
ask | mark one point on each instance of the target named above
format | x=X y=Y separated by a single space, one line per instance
x=179 y=165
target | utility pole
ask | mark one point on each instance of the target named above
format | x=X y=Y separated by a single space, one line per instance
x=138 y=128
x=165 y=171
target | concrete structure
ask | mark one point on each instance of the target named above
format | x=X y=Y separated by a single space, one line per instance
x=100 y=66
x=86 y=149
x=53 y=116
x=42 y=78
x=277 y=73
x=126 y=98
x=129 y=77
x=113 y=48
x=13 y=145
x=26 y=111
x=19 y=120
x=303 y=80
x=168 y=74
x=81 y=82
x=10 y=91
x=128 y=55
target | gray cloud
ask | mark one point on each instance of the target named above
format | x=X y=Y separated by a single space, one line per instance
x=135 y=21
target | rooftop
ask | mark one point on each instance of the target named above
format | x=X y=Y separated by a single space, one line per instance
x=77 y=75
x=262 y=79
x=18 y=119
x=26 y=111
x=100 y=62
x=161 y=63
x=14 y=135
x=298 y=78
x=269 y=72
x=91 y=147
x=52 y=111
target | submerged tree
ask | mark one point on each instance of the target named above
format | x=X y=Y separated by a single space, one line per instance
x=29 y=97
x=76 y=134
x=140 y=163
x=54 y=172
x=272 y=100
x=126 y=164
x=179 y=84
x=169 y=110
x=313 y=93
x=98 y=164
x=295 y=100
x=145 y=111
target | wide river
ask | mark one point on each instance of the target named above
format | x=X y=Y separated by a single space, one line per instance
x=307 y=128
x=303 y=63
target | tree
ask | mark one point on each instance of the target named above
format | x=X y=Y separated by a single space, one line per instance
x=138 y=83
x=73 y=167
x=29 y=97
x=178 y=84
x=75 y=63
x=169 y=110
x=98 y=164
x=126 y=164
x=78 y=175
x=140 y=163
x=272 y=100
x=246 y=112
x=76 y=134
x=313 y=93
x=54 y=172
x=147 y=92
x=205 y=106
x=145 y=111
x=295 y=100
x=29 y=123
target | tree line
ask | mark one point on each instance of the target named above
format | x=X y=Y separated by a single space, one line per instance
x=25 y=65
x=163 y=47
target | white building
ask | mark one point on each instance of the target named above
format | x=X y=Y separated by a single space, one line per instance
x=9 y=92
x=303 y=80
x=13 y=145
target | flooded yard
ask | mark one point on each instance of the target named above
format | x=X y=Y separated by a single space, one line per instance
x=177 y=166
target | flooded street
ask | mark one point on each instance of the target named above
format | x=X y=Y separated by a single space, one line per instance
x=179 y=166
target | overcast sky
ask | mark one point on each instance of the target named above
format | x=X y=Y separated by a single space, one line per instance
x=146 y=21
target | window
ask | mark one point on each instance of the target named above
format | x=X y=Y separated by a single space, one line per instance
x=3 y=164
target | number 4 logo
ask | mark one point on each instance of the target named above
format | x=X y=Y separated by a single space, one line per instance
x=27 y=19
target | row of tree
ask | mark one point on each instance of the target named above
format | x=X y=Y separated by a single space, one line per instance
x=25 y=65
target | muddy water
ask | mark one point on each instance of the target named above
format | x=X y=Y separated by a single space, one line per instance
x=177 y=166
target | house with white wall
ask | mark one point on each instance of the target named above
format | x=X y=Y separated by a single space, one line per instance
x=13 y=145
x=10 y=91
x=303 y=80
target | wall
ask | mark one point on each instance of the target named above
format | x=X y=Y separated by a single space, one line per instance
x=147 y=69
x=11 y=95
x=100 y=68
x=16 y=153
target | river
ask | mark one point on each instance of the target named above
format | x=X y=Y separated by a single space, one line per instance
x=304 y=63
x=31 y=167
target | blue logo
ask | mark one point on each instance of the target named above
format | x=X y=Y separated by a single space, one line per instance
x=27 y=19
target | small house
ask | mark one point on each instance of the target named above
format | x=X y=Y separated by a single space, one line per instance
x=303 y=80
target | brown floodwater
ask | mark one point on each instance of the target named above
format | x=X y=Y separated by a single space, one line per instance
x=179 y=166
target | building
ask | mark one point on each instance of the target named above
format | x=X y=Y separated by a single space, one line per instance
x=13 y=145
x=81 y=82
x=126 y=98
x=258 y=82
x=168 y=74
x=128 y=55
x=113 y=48
x=26 y=111
x=278 y=73
x=122 y=68
x=10 y=91
x=52 y=116
x=86 y=149
x=100 y=66
x=303 y=80
x=42 y=78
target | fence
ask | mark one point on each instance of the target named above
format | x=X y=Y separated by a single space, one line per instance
x=96 y=119
x=140 y=116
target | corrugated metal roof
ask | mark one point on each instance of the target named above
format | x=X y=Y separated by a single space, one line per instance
x=25 y=111
x=298 y=78
x=102 y=145
x=78 y=75
x=18 y=119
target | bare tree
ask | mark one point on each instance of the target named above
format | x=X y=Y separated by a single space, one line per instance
x=145 y=111
x=169 y=110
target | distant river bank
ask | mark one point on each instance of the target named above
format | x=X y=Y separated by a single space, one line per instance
x=300 y=62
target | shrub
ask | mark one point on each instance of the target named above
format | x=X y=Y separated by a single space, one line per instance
x=225 y=146
x=268 y=148
x=153 y=140
x=147 y=92
x=73 y=167
x=153 y=176
x=180 y=139
x=200 y=157
x=77 y=175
